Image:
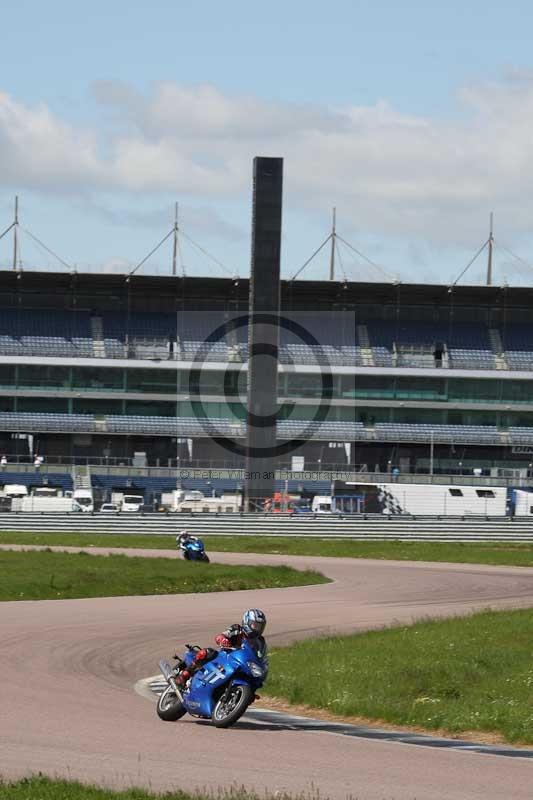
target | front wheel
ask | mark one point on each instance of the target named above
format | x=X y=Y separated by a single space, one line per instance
x=205 y=558
x=169 y=706
x=232 y=705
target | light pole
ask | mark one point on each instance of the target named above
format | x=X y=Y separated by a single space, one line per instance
x=431 y=455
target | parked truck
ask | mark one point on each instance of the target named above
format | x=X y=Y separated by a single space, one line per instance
x=82 y=500
x=43 y=505
x=433 y=499
x=194 y=501
x=127 y=502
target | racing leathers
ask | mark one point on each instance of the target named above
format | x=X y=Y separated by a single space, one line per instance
x=230 y=639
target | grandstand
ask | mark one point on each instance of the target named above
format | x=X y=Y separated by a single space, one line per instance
x=97 y=368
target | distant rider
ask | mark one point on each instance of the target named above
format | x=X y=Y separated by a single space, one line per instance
x=184 y=538
x=252 y=627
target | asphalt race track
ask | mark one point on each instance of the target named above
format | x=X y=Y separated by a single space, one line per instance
x=69 y=667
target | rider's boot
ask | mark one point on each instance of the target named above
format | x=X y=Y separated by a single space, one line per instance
x=182 y=677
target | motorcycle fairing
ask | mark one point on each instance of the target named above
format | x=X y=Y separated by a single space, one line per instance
x=207 y=683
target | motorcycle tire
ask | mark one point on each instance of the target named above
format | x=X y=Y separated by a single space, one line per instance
x=229 y=709
x=169 y=706
x=205 y=558
x=186 y=555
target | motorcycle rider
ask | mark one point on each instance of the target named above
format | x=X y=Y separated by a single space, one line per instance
x=252 y=626
x=184 y=537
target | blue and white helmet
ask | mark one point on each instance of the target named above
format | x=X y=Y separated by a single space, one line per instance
x=253 y=622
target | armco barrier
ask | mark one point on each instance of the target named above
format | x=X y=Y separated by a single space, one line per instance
x=355 y=527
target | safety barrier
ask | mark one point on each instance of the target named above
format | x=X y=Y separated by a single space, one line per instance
x=354 y=527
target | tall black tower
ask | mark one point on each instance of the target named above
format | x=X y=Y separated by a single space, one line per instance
x=263 y=331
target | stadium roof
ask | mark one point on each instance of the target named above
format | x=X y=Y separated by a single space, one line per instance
x=33 y=284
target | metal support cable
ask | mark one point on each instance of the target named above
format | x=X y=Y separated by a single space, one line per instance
x=7 y=230
x=483 y=246
x=41 y=244
x=513 y=255
x=156 y=248
x=317 y=251
x=368 y=260
x=206 y=253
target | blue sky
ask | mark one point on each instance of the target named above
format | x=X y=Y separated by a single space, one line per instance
x=412 y=118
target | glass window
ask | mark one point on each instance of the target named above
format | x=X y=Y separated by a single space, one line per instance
x=163 y=381
x=374 y=387
x=301 y=385
x=471 y=390
x=205 y=382
x=347 y=386
x=7 y=375
x=517 y=391
x=98 y=378
x=421 y=388
x=43 y=377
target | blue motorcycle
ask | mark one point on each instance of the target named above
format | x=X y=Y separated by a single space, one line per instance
x=221 y=690
x=193 y=550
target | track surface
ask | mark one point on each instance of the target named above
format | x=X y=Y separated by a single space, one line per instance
x=68 y=668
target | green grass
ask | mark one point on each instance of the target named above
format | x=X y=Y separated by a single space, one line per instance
x=503 y=553
x=42 y=788
x=47 y=575
x=461 y=674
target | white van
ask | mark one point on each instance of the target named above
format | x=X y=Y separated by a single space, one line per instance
x=321 y=504
x=83 y=500
x=132 y=502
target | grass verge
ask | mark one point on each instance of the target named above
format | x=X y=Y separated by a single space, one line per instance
x=42 y=788
x=47 y=575
x=458 y=675
x=503 y=553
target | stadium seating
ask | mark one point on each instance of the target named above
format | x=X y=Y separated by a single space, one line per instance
x=413 y=343
x=287 y=429
x=45 y=333
x=519 y=435
x=182 y=336
x=462 y=358
x=421 y=432
x=35 y=478
x=34 y=421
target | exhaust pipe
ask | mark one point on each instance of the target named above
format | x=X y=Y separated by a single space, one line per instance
x=168 y=674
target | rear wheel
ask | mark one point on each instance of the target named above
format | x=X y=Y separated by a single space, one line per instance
x=232 y=706
x=169 y=706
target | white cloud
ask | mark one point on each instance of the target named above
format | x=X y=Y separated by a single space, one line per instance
x=389 y=172
x=37 y=149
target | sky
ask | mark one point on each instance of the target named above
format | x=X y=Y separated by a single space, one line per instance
x=413 y=119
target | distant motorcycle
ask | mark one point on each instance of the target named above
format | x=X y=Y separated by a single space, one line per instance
x=221 y=690
x=193 y=549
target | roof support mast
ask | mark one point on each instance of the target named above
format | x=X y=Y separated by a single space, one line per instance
x=15 y=237
x=175 y=247
x=490 y=250
x=333 y=238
